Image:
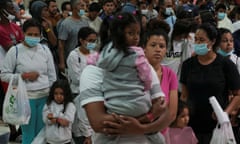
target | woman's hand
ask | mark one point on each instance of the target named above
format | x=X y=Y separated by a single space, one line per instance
x=30 y=76
x=124 y=125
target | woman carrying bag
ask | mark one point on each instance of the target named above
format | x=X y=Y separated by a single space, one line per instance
x=34 y=63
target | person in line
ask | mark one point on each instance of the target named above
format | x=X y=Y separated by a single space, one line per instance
x=34 y=62
x=155 y=48
x=107 y=9
x=68 y=31
x=77 y=59
x=10 y=34
x=58 y=113
x=222 y=17
x=93 y=16
x=225 y=43
x=179 y=130
x=204 y=75
x=125 y=78
x=76 y=62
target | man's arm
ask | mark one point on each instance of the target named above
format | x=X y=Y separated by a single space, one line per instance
x=96 y=114
x=61 y=44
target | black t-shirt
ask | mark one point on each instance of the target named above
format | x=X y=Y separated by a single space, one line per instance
x=204 y=81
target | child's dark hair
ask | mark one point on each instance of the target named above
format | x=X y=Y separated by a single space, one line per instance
x=117 y=27
x=31 y=23
x=181 y=105
x=64 y=85
x=84 y=32
x=104 y=32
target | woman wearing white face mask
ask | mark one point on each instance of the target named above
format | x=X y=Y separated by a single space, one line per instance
x=34 y=63
x=76 y=62
x=208 y=74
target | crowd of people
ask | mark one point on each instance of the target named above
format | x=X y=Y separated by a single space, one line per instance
x=113 y=71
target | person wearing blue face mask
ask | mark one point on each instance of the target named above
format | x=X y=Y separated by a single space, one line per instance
x=34 y=63
x=68 y=31
x=208 y=74
x=169 y=13
x=225 y=43
x=76 y=62
x=222 y=18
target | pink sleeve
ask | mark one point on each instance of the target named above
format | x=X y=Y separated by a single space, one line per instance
x=143 y=68
x=194 y=138
x=92 y=58
x=173 y=85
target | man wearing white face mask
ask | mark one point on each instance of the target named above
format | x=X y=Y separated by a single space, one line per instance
x=10 y=33
x=222 y=19
x=68 y=31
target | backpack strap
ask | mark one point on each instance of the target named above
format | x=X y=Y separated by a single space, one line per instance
x=14 y=70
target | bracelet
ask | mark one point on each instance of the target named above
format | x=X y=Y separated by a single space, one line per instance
x=48 y=30
x=150 y=117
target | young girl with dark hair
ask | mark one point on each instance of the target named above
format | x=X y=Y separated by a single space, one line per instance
x=179 y=131
x=58 y=113
x=129 y=82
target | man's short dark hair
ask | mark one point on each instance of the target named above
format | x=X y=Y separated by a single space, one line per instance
x=94 y=7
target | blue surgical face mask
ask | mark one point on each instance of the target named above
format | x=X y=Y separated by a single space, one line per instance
x=201 y=49
x=221 y=15
x=81 y=12
x=169 y=11
x=91 y=46
x=32 y=41
x=223 y=53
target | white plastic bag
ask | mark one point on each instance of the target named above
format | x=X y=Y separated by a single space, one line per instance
x=40 y=138
x=16 y=107
x=223 y=134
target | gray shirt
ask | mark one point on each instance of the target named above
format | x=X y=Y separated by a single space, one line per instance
x=68 y=31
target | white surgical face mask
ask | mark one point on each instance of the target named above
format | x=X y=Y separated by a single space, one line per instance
x=9 y=16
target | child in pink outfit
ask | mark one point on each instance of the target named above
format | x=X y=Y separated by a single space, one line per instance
x=179 y=132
